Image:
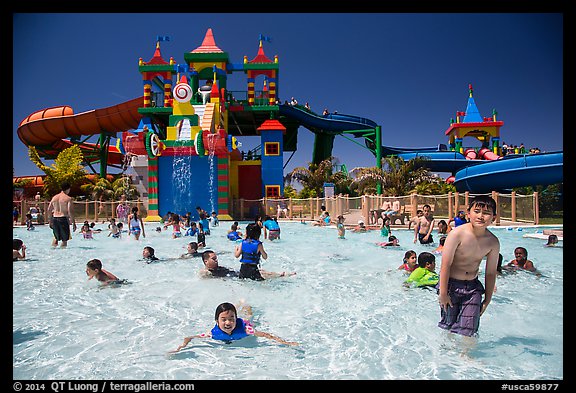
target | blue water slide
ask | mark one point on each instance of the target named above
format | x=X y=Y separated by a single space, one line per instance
x=328 y=124
x=520 y=170
x=336 y=124
x=440 y=161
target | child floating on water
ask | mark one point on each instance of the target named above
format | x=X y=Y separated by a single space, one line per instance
x=552 y=241
x=424 y=274
x=94 y=269
x=361 y=228
x=409 y=260
x=229 y=327
x=392 y=242
x=521 y=261
x=192 y=251
x=148 y=254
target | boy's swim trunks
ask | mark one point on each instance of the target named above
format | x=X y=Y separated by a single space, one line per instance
x=464 y=315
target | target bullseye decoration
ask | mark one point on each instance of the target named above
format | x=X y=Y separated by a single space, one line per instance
x=182 y=92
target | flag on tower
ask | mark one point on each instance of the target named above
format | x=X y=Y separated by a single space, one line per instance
x=264 y=38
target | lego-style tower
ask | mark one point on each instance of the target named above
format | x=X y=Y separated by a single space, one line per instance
x=470 y=123
x=272 y=136
x=159 y=72
x=262 y=65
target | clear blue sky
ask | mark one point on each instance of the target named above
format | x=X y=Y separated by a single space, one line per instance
x=407 y=72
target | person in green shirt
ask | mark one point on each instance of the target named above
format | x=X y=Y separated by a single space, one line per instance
x=424 y=274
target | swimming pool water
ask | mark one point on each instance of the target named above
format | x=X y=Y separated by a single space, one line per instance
x=346 y=306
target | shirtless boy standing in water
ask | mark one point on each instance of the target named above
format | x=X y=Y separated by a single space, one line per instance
x=60 y=214
x=424 y=226
x=459 y=290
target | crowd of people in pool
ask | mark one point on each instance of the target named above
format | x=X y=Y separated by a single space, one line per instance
x=461 y=296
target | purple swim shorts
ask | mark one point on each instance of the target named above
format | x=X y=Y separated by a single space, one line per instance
x=464 y=315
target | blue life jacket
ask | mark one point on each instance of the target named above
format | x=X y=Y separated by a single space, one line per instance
x=250 y=253
x=191 y=232
x=205 y=226
x=271 y=225
x=238 y=332
x=233 y=236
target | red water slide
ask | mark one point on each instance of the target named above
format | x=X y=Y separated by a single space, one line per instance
x=49 y=128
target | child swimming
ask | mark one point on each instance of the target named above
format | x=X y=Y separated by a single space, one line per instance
x=409 y=262
x=229 y=327
x=17 y=245
x=94 y=269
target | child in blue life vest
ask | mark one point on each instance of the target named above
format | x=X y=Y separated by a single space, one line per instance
x=229 y=327
x=250 y=251
x=271 y=228
x=234 y=234
x=205 y=224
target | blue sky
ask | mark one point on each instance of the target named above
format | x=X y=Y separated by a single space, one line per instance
x=409 y=72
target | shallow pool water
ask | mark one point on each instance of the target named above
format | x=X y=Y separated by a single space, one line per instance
x=346 y=306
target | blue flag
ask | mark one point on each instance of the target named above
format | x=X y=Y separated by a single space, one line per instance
x=161 y=38
x=264 y=38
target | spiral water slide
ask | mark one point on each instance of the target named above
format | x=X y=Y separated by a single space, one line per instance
x=48 y=129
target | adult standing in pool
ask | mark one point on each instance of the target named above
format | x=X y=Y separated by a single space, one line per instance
x=60 y=213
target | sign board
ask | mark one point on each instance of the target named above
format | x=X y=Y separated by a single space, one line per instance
x=328 y=190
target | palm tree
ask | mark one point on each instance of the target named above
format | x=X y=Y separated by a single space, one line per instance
x=398 y=177
x=123 y=186
x=100 y=189
x=314 y=177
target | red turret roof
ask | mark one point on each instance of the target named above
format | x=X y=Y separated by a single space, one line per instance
x=273 y=125
x=208 y=45
x=261 y=57
x=157 y=58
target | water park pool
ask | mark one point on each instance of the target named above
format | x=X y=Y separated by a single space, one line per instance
x=346 y=307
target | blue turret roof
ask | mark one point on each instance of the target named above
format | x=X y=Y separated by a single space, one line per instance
x=472 y=112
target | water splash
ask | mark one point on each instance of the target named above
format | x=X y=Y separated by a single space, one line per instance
x=211 y=152
x=181 y=180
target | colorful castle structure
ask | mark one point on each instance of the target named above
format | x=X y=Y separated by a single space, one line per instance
x=470 y=123
x=185 y=145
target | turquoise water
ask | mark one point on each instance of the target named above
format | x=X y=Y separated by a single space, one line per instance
x=346 y=306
